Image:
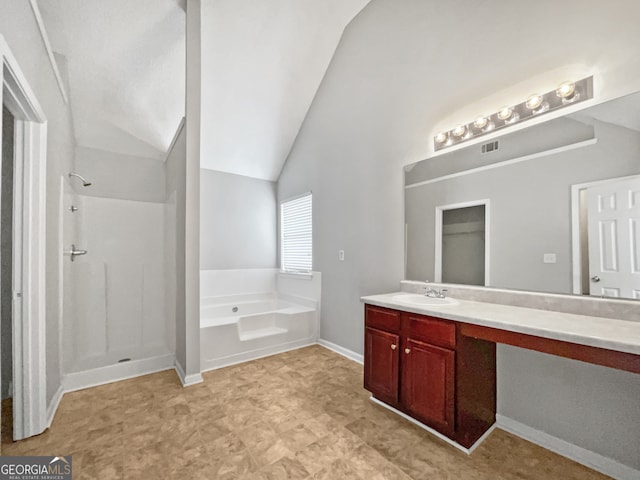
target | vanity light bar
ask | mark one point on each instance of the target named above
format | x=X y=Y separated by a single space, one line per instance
x=567 y=93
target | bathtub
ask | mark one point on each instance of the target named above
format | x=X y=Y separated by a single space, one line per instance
x=237 y=328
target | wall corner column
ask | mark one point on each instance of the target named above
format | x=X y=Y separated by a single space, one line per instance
x=192 y=203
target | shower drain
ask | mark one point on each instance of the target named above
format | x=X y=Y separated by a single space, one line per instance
x=122 y=360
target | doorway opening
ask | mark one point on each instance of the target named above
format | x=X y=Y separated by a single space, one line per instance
x=6 y=275
x=462 y=243
x=28 y=266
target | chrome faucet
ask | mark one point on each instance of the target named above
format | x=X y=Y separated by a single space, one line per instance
x=434 y=292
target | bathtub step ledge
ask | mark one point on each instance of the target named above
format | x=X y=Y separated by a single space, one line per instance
x=261 y=332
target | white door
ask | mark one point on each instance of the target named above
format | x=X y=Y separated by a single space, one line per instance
x=614 y=239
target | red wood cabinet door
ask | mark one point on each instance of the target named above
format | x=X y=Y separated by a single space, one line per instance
x=381 y=364
x=428 y=384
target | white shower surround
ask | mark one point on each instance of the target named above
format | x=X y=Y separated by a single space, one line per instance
x=116 y=325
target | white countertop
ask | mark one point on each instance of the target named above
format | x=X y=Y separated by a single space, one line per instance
x=612 y=334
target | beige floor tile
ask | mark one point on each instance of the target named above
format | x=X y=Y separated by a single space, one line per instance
x=299 y=415
x=318 y=455
x=298 y=437
x=371 y=465
x=341 y=468
x=285 y=469
x=146 y=462
x=233 y=466
x=103 y=470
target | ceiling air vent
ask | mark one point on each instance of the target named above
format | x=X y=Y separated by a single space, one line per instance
x=490 y=147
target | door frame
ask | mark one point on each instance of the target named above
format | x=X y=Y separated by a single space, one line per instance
x=576 y=235
x=437 y=274
x=29 y=235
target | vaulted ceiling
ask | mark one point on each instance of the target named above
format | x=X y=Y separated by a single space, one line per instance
x=263 y=62
x=262 y=65
x=126 y=74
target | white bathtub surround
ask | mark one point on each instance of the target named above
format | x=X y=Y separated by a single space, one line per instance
x=244 y=327
x=248 y=314
x=217 y=283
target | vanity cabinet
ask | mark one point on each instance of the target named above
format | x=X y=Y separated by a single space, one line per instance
x=420 y=365
x=428 y=384
x=382 y=348
x=381 y=371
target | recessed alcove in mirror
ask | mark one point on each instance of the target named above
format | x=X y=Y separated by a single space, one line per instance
x=538 y=230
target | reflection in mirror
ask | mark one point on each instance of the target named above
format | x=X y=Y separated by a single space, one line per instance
x=463 y=245
x=609 y=235
x=565 y=206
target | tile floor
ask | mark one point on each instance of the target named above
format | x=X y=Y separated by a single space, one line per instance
x=298 y=415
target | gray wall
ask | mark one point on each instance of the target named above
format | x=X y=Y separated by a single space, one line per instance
x=175 y=241
x=237 y=221
x=392 y=79
x=115 y=175
x=530 y=211
x=347 y=153
x=18 y=26
x=594 y=407
x=6 y=254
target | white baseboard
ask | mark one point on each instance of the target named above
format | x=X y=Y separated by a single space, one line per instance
x=187 y=380
x=52 y=408
x=113 y=373
x=345 y=352
x=593 y=460
x=215 y=363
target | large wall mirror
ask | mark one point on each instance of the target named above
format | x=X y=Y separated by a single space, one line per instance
x=552 y=208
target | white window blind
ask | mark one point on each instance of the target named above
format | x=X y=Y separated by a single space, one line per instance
x=296 y=246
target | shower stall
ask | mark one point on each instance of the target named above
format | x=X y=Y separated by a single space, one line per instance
x=114 y=318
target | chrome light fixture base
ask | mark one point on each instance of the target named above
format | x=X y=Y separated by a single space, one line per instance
x=567 y=93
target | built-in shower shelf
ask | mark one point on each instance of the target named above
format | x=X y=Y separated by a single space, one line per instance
x=261 y=332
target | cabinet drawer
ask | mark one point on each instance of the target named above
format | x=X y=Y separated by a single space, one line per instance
x=432 y=330
x=382 y=318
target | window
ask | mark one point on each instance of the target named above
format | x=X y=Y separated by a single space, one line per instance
x=296 y=245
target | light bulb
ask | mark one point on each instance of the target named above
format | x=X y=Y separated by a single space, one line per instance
x=441 y=137
x=566 y=90
x=459 y=130
x=481 y=122
x=534 y=101
x=504 y=113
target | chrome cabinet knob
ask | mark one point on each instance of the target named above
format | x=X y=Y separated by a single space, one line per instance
x=407 y=350
x=595 y=279
x=393 y=346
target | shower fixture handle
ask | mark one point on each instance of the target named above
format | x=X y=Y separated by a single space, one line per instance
x=76 y=253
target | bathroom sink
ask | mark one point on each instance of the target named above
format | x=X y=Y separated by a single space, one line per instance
x=419 y=300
